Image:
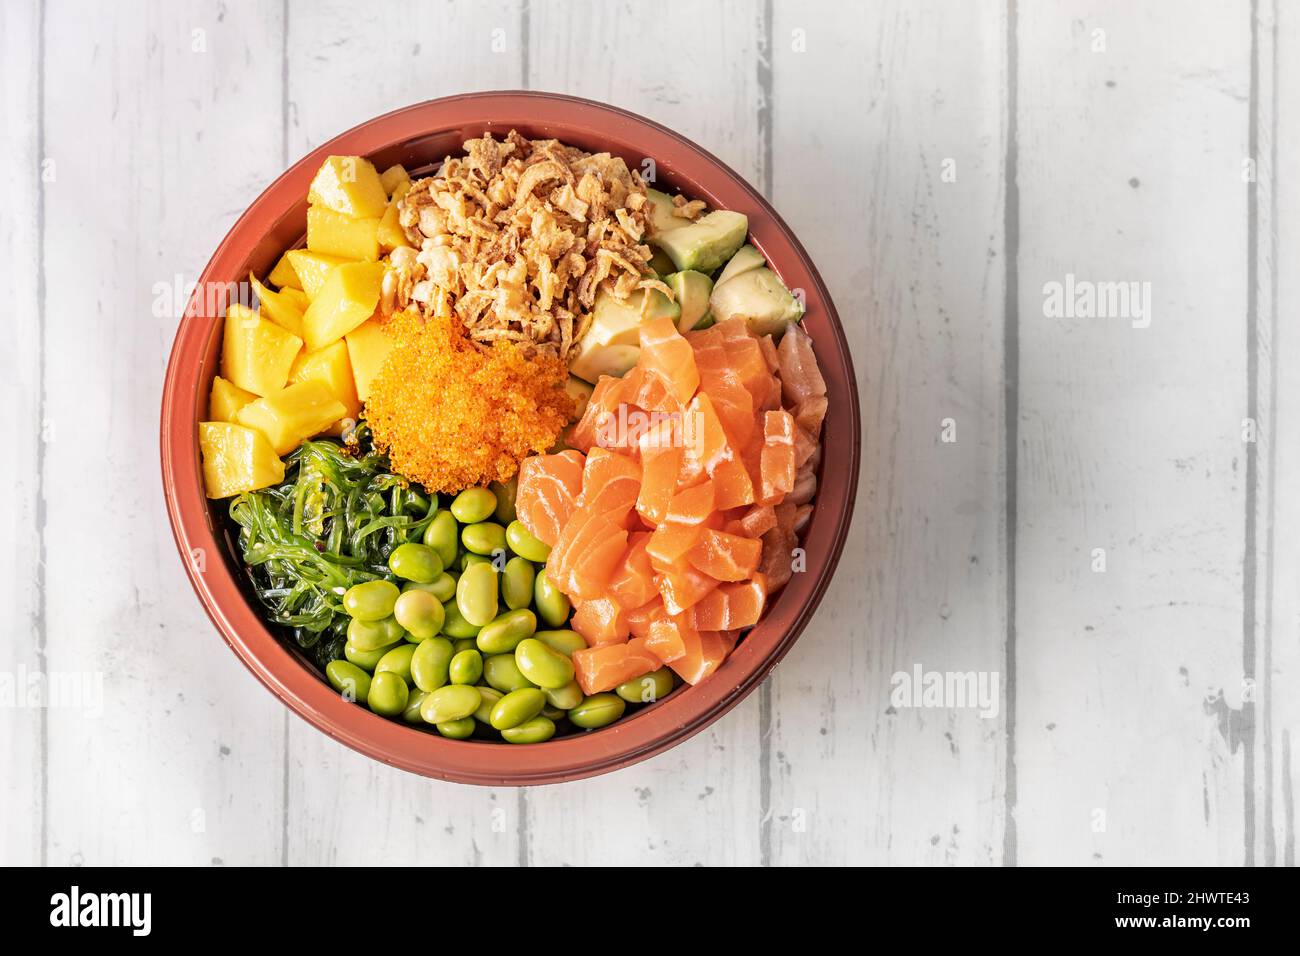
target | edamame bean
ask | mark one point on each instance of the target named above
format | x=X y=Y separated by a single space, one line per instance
x=517 y=707
x=397 y=661
x=647 y=688
x=349 y=680
x=566 y=697
x=443 y=535
x=469 y=558
x=366 y=660
x=388 y=693
x=372 y=635
x=454 y=624
x=552 y=713
x=466 y=667
x=449 y=703
x=524 y=544
x=483 y=538
x=474 y=504
x=415 y=562
x=476 y=595
x=533 y=732
x=490 y=696
x=552 y=605
x=457 y=729
x=540 y=664
x=420 y=613
x=564 y=641
x=501 y=672
x=464 y=644
x=517 y=583
x=598 y=710
x=504 y=633
x=371 y=601
x=431 y=663
x=411 y=712
x=443 y=587
x=505 y=492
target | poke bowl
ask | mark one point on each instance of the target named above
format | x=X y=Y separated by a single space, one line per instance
x=510 y=438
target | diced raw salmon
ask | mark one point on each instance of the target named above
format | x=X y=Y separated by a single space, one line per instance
x=669 y=544
x=639 y=620
x=666 y=354
x=658 y=483
x=581 y=563
x=601 y=621
x=726 y=557
x=731 y=606
x=610 y=484
x=633 y=583
x=703 y=436
x=669 y=636
x=754 y=522
x=777 y=459
x=770 y=356
x=603 y=668
x=604 y=399
x=682 y=587
x=778 y=543
x=705 y=652
x=810 y=414
x=801 y=379
x=692 y=505
x=547 y=495
x=732 y=485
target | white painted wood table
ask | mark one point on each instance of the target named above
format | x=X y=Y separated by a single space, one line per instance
x=1092 y=505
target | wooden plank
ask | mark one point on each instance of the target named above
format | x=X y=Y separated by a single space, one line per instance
x=21 y=467
x=158 y=145
x=1276 y=247
x=345 y=66
x=699 y=802
x=1132 y=132
x=888 y=147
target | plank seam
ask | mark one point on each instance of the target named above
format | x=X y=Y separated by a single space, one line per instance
x=41 y=600
x=1248 y=572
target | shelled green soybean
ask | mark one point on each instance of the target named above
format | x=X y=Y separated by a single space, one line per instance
x=467 y=633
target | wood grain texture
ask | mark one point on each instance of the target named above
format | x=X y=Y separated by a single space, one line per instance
x=887 y=151
x=22 y=727
x=699 y=802
x=1133 y=128
x=152 y=113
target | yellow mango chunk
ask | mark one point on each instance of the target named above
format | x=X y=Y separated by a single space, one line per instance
x=295 y=297
x=394 y=176
x=335 y=234
x=283 y=275
x=401 y=190
x=277 y=307
x=349 y=185
x=332 y=367
x=225 y=399
x=368 y=348
x=292 y=414
x=256 y=354
x=236 y=459
x=313 y=269
x=391 y=235
x=348 y=298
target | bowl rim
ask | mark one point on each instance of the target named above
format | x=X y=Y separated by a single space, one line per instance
x=651 y=731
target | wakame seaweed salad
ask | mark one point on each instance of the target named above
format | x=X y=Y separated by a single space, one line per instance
x=331 y=524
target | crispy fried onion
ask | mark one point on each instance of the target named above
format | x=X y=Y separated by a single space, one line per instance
x=516 y=238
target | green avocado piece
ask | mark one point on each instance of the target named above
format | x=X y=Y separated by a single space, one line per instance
x=746 y=258
x=692 y=290
x=760 y=297
x=706 y=243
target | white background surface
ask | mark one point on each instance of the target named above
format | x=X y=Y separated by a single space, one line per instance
x=1148 y=712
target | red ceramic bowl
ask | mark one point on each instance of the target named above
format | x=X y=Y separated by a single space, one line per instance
x=419 y=136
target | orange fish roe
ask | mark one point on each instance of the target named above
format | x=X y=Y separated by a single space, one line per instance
x=451 y=414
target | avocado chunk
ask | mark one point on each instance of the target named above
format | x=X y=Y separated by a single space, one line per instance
x=760 y=297
x=661 y=210
x=706 y=243
x=612 y=344
x=661 y=264
x=692 y=290
x=746 y=258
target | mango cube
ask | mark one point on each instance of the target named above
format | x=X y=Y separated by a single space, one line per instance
x=368 y=348
x=391 y=235
x=394 y=176
x=313 y=269
x=335 y=234
x=283 y=275
x=256 y=354
x=349 y=185
x=236 y=459
x=225 y=399
x=278 y=307
x=347 y=299
x=295 y=297
x=292 y=414
x=331 y=367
